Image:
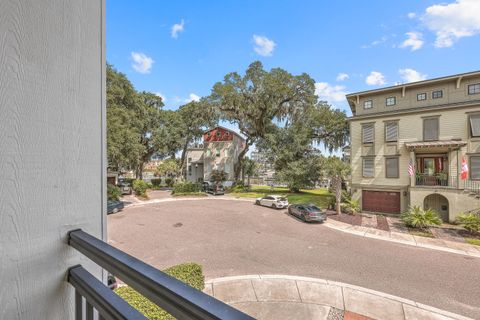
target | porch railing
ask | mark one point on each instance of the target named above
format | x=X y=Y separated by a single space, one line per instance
x=472 y=186
x=172 y=295
x=436 y=181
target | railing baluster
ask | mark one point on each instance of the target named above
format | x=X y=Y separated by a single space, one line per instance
x=89 y=311
x=78 y=306
x=97 y=295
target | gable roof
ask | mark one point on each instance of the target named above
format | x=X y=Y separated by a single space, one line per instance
x=223 y=128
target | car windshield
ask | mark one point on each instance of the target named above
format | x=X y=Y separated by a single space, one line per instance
x=282 y=199
x=313 y=208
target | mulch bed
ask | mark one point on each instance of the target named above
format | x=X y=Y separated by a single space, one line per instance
x=382 y=223
x=355 y=220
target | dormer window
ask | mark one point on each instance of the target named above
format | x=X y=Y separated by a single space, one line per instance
x=368 y=104
x=219 y=134
x=391 y=101
x=421 y=96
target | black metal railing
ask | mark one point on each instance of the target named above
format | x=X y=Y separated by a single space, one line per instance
x=436 y=180
x=170 y=294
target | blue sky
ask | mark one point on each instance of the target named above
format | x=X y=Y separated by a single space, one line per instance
x=179 y=49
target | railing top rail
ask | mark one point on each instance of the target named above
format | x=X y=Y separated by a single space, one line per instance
x=108 y=304
x=174 y=296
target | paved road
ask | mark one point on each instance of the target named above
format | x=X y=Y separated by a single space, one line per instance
x=237 y=238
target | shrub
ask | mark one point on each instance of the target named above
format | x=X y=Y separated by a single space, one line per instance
x=113 y=192
x=351 y=206
x=186 y=187
x=470 y=221
x=156 y=182
x=169 y=182
x=239 y=188
x=346 y=197
x=140 y=188
x=417 y=217
x=189 y=273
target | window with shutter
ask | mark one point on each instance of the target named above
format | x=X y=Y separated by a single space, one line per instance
x=391 y=131
x=391 y=165
x=368 y=167
x=475 y=167
x=368 y=133
x=475 y=125
x=430 y=129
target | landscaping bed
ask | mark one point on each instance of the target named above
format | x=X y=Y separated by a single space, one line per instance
x=355 y=220
x=189 y=273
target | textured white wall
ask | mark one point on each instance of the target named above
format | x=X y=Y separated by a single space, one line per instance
x=52 y=135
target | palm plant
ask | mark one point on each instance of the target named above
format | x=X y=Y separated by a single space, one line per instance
x=416 y=217
x=336 y=170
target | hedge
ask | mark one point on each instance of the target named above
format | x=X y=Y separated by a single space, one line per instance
x=186 y=187
x=189 y=273
x=113 y=192
x=156 y=182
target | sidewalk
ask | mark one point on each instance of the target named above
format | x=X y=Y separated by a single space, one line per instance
x=278 y=297
x=418 y=241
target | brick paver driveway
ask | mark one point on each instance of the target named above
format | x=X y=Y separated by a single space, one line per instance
x=237 y=238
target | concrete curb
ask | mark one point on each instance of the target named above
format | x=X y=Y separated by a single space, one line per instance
x=417 y=241
x=367 y=302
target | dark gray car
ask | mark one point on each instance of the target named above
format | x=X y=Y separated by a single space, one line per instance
x=308 y=212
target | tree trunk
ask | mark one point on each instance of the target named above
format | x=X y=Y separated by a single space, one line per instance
x=338 y=194
x=241 y=155
x=139 y=172
x=183 y=168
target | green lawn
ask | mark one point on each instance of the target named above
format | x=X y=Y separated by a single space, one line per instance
x=319 y=197
x=473 y=241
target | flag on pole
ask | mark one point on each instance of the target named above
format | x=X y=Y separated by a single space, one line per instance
x=464 y=172
x=411 y=169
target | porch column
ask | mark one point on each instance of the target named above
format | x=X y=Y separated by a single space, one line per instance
x=412 y=159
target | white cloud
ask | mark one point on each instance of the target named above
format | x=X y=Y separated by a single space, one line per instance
x=193 y=97
x=342 y=76
x=161 y=95
x=177 y=28
x=330 y=93
x=414 y=41
x=263 y=45
x=141 y=62
x=453 y=21
x=375 y=78
x=411 y=15
x=411 y=75
x=374 y=43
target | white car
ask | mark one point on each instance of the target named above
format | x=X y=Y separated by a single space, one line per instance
x=276 y=202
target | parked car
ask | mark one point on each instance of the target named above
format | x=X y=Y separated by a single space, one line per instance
x=205 y=186
x=216 y=189
x=276 y=202
x=113 y=206
x=308 y=212
x=125 y=187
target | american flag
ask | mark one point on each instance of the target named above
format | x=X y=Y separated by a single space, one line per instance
x=411 y=170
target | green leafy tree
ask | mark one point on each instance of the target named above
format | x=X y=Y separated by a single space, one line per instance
x=123 y=147
x=250 y=169
x=151 y=122
x=337 y=171
x=196 y=118
x=168 y=168
x=218 y=176
x=257 y=99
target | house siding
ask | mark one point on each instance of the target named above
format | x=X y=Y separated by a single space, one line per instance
x=52 y=150
x=410 y=113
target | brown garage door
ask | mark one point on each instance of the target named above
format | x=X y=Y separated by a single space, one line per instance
x=381 y=201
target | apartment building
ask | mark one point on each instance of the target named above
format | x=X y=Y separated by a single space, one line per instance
x=408 y=142
x=219 y=151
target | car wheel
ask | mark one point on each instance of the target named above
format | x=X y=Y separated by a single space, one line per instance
x=115 y=210
x=303 y=218
x=274 y=206
x=257 y=202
